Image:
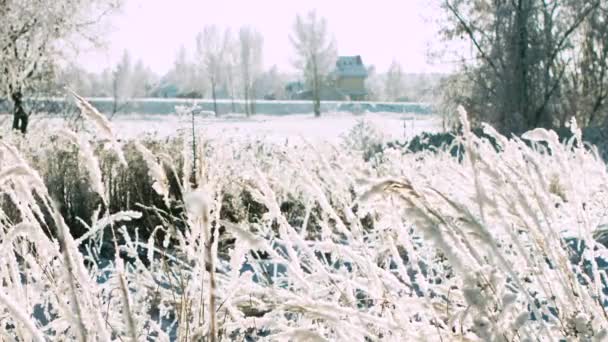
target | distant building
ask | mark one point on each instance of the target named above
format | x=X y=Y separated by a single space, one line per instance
x=349 y=77
x=345 y=82
x=294 y=90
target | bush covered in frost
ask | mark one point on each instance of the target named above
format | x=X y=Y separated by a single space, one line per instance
x=427 y=141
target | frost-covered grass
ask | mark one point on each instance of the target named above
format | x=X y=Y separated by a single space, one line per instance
x=497 y=245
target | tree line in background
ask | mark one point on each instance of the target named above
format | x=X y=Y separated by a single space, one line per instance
x=133 y=79
x=230 y=66
x=224 y=65
x=535 y=63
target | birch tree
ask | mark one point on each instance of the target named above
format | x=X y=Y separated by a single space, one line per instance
x=250 y=42
x=121 y=82
x=187 y=75
x=394 y=82
x=211 y=48
x=232 y=62
x=315 y=51
x=143 y=80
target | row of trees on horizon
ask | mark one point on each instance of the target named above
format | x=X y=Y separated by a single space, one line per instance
x=189 y=78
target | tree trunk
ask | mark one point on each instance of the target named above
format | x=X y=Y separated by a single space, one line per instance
x=521 y=77
x=251 y=95
x=213 y=95
x=232 y=104
x=315 y=90
x=114 y=106
x=20 y=118
x=247 y=99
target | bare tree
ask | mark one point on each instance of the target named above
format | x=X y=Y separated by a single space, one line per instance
x=270 y=84
x=121 y=83
x=394 y=82
x=586 y=89
x=211 y=48
x=185 y=75
x=374 y=84
x=251 y=64
x=231 y=65
x=522 y=57
x=33 y=35
x=316 y=52
x=454 y=90
x=143 y=80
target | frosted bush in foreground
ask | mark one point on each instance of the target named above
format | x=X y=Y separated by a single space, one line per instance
x=496 y=245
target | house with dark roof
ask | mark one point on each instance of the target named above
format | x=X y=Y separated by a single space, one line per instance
x=349 y=77
x=345 y=82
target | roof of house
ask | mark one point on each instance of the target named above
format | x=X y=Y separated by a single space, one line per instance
x=350 y=66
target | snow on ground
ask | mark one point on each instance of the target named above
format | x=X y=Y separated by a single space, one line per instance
x=294 y=128
x=330 y=127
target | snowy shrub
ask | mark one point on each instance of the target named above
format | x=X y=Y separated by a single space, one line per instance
x=364 y=137
x=277 y=242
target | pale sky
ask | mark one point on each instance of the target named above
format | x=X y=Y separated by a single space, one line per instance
x=379 y=30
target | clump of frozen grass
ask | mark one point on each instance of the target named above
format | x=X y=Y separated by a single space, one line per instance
x=363 y=136
x=498 y=245
x=91 y=161
x=156 y=171
x=101 y=123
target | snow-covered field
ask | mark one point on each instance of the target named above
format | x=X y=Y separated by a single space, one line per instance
x=294 y=128
x=330 y=127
